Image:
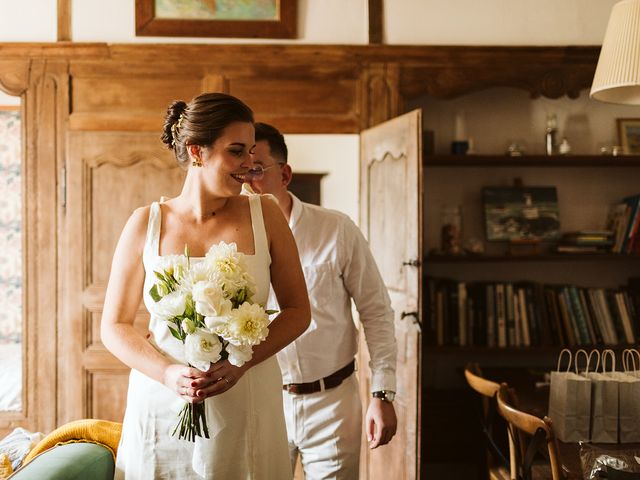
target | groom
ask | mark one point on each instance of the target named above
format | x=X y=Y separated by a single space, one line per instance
x=322 y=405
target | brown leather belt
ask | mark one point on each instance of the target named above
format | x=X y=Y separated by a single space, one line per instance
x=331 y=381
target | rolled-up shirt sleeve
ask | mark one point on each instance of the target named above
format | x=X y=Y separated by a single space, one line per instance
x=364 y=283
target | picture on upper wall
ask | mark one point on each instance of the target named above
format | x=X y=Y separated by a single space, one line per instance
x=629 y=135
x=217 y=18
x=217 y=9
x=521 y=213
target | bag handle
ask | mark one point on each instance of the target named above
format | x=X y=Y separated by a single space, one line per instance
x=560 y=359
x=595 y=352
x=629 y=356
x=608 y=353
x=577 y=355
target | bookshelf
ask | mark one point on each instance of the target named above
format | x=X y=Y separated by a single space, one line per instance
x=545 y=161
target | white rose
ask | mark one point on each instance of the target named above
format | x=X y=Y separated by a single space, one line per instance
x=248 y=325
x=201 y=349
x=239 y=354
x=210 y=300
x=171 y=305
x=217 y=324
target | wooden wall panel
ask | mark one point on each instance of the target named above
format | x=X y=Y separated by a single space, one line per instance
x=107 y=393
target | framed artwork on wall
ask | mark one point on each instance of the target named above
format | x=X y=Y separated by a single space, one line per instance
x=217 y=18
x=521 y=213
x=629 y=135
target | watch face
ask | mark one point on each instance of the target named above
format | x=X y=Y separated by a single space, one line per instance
x=386 y=395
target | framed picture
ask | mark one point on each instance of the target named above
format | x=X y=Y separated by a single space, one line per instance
x=629 y=135
x=521 y=213
x=217 y=18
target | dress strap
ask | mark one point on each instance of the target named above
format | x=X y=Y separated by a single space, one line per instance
x=261 y=244
x=152 y=243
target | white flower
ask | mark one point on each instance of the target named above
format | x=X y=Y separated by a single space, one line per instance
x=188 y=326
x=171 y=305
x=238 y=355
x=230 y=269
x=217 y=324
x=175 y=265
x=210 y=300
x=248 y=325
x=201 y=349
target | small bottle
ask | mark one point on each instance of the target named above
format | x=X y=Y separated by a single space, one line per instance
x=550 y=134
x=564 y=148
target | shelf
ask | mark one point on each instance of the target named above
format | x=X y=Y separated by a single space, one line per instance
x=555 y=349
x=532 y=161
x=547 y=257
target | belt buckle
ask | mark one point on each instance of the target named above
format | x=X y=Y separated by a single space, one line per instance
x=291 y=388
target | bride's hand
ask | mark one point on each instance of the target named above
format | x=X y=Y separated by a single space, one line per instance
x=219 y=378
x=182 y=380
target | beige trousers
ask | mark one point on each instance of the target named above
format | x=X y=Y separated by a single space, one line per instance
x=325 y=429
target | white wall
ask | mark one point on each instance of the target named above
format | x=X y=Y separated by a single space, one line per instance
x=497 y=22
x=28 y=21
x=422 y=22
x=336 y=155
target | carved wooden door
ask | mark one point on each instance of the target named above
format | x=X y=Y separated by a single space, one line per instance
x=108 y=176
x=391 y=219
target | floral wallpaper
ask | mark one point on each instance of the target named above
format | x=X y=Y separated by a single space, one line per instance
x=10 y=227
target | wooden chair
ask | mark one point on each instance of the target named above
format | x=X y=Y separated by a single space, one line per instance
x=497 y=463
x=529 y=434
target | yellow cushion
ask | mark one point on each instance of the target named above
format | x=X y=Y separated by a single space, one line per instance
x=100 y=432
x=5 y=466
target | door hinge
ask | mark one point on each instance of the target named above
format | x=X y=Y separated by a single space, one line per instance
x=63 y=187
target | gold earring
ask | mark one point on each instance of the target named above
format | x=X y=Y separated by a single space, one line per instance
x=197 y=162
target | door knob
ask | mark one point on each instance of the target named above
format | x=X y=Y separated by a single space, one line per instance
x=412 y=263
x=416 y=318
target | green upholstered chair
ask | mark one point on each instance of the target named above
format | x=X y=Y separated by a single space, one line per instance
x=73 y=461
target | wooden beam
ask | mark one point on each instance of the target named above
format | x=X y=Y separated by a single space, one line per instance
x=376 y=17
x=64 y=20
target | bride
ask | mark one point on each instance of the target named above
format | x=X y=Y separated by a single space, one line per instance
x=212 y=138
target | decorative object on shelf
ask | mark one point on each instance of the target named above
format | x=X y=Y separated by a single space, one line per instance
x=450 y=230
x=617 y=77
x=521 y=213
x=460 y=143
x=551 y=132
x=629 y=135
x=564 y=148
x=474 y=246
x=516 y=149
x=217 y=18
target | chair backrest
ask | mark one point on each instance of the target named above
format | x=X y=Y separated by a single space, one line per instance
x=488 y=390
x=536 y=432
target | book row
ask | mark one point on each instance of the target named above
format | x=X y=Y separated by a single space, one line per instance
x=526 y=314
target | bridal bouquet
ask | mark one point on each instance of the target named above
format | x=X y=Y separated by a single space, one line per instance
x=208 y=306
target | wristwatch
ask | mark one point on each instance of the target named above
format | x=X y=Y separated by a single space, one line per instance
x=384 y=395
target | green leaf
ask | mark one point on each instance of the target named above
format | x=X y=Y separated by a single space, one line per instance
x=154 y=293
x=271 y=312
x=160 y=276
x=176 y=334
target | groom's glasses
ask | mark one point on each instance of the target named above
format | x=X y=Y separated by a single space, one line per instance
x=257 y=172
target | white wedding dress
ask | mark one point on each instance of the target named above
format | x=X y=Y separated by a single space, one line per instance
x=246 y=423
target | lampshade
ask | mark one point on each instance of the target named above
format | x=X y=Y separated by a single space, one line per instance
x=617 y=77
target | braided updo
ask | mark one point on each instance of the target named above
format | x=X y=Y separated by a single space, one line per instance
x=201 y=122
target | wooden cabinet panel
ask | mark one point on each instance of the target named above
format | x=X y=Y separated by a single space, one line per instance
x=107 y=394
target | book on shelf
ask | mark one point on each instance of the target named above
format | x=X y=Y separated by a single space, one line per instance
x=624 y=221
x=530 y=314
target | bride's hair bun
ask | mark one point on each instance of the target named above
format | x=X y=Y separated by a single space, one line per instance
x=170 y=132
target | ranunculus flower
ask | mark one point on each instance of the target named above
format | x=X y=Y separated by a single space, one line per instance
x=171 y=305
x=248 y=325
x=210 y=299
x=201 y=349
x=239 y=354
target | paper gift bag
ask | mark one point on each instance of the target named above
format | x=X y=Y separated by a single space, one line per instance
x=604 y=401
x=570 y=403
x=629 y=405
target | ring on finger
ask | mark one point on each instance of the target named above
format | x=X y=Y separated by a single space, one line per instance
x=227 y=380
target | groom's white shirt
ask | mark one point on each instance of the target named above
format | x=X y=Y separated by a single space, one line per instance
x=338 y=265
